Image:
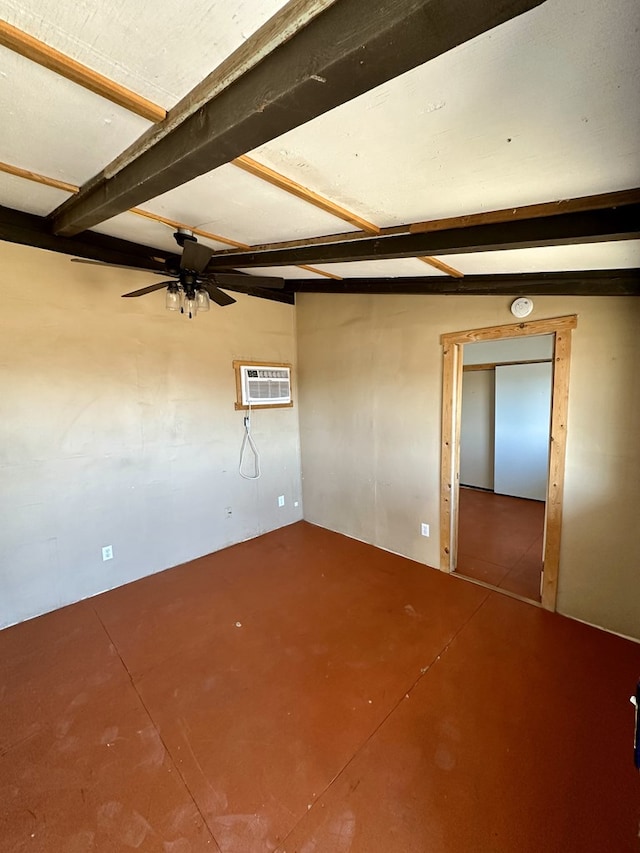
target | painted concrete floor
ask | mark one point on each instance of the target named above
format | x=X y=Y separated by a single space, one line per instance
x=500 y=541
x=307 y=693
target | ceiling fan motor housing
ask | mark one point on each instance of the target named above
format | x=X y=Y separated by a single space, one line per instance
x=189 y=282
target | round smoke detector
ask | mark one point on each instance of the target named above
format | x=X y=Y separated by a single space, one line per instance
x=521 y=307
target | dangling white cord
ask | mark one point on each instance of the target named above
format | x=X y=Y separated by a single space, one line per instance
x=249 y=440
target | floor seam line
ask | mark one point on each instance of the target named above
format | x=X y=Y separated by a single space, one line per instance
x=153 y=723
x=404 y=696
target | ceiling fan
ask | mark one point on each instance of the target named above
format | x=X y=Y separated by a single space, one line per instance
x=191 y=288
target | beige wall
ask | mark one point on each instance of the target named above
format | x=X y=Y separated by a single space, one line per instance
x=370 y=378
x=117 y=427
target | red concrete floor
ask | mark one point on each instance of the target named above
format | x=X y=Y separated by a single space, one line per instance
x=500 y=541
x=306 y=693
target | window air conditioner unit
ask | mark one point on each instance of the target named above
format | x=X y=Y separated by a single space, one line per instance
x=265 y=386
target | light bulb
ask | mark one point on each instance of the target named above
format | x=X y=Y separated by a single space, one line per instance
x=190 y=307
x=202 y=298
x=172 y=299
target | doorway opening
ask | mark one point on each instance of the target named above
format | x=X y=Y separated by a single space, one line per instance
x=504 y=462
x=543 y=482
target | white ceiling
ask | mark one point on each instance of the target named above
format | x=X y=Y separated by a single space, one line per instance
x=624 y=254
x=26 y=195
x=542 y=108
x=403 y=267
x=159 y=49
x=52 y=126
x=235 y=204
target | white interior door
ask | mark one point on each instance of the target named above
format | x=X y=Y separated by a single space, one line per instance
x=476 y=428
x=523 y=414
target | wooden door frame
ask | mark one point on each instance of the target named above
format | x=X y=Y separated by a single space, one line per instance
x=452 y=364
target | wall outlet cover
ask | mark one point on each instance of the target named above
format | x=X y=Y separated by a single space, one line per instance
x=424 y=529
x=107 y=552
x=280 y=500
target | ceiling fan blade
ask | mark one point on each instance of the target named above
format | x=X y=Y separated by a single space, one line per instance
x=115 y=266
x=195 y=257
x=217 y=295
x=231 y=278
x=144 y=290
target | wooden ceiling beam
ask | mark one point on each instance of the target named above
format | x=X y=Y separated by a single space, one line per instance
x=293 y=188
x=323 y=273
x=28 y=175
x=37 y=178
x=342 y=237
x=173 y=223
x=621 y=223
x=311 y=197
x=531 y=211
x=147 y=214
x=60 y=63
x=620 y=198
x=208 y=235
x=594 y=202
x=31 y=230
x=41 y=53
x=440 y=265
x=615 y=282
x=28 y=229
x=36 y=51
x=349 y=48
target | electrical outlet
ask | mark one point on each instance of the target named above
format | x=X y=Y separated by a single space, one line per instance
x=280 y=500
x=424 y=529
x=295 y=503
x=107 y=552
x=228 y=511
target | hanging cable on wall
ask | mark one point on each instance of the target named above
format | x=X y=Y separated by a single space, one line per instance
x=248 y=441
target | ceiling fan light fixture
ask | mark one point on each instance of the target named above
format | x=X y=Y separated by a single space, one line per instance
x=172 y=299
x=191 y=289
x=191 y=306
x=202 y=299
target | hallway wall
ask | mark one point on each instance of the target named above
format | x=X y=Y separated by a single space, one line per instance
x=478 y=428
x=370 y=374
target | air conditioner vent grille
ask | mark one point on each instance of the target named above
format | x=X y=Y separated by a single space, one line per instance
x=265 y=386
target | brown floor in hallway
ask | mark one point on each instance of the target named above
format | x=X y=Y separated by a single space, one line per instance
x=500 y=541
x=307 y=693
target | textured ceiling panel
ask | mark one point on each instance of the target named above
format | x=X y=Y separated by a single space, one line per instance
x=542 y=108
x=399 y=267
x=159 y=50
x=234 y=204
x=29 y=196
x=129 y=226
x=624 y=254
x=50 y=125
x=282 y=272
x=299 y=272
